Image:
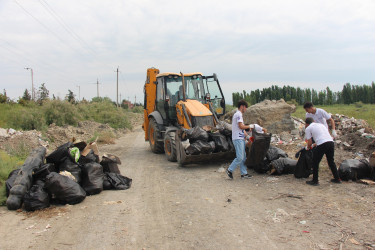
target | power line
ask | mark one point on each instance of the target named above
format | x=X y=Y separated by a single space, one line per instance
x=52 y=32
x=60 y=20
x=69 y=30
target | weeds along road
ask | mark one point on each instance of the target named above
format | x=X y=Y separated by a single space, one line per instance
x=197 y=207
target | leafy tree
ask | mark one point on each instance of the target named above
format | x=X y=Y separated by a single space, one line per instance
x=347 y=94
x=329 y=96
x=43 y=93
x=3 y=97
x=26 y=95
x=70 y=97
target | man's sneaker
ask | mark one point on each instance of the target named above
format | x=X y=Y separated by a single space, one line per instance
x=245 y=176
x=313 y=183
x=229 y=173
x=338 y=181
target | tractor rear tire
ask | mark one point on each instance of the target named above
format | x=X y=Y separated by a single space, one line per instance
x=153 y=132
x=170 y=146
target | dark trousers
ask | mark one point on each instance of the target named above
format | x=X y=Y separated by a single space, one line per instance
x=328 y=149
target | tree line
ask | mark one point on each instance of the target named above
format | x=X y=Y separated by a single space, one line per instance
x=348 y=95
x=42 y=94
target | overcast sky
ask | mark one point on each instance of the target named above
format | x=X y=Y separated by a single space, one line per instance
x=249 y=44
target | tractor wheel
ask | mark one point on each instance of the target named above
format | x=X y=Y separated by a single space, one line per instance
x=153 y=132
x=170 y=146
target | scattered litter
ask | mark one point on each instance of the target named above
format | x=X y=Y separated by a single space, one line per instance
x=69 y=175
x=353 y=241
x=290 y=195
x=221 y=170
x=30 y=227
x=367 y=182
x=272 y=179
x=112 y=202
x=303 y=222
x=305 y=232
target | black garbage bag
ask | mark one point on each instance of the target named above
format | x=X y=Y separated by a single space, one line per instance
x=90 y=157
x=43 y=171
x=110 y=163
x=304 y=165
x=221 y=142
x=230 y=143
x=10 y=181
x=119 y=182
x=106 y=184
x=196 y=134
x=275 y=153
x=284 y=166
x=58 y=156
x=354 y=170
x=64 y=189
x=92 y=178
x=258 y=150
x=36 y=198
x=24 y=178
x=200 y=147
x=68 y=164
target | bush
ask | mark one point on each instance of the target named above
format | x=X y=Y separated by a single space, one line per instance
x=106 y=137
x=7 y=164
x=26 y=119
x=358 y=104
x=105 y=112
x=61 y=113
x=137 y=109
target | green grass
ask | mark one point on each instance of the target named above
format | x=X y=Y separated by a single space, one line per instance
x=33 y=116
x=358 y=111
x=7 y=164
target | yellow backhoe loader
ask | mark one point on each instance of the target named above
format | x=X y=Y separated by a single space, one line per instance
x=174 y=102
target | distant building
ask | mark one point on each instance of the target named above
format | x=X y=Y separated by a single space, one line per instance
x=128 y=103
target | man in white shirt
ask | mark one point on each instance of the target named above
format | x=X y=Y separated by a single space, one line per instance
x=320 y=116
x=239 y=142
x=323 y=146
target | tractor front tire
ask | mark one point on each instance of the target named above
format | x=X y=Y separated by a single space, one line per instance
x=170 y=146
x=153 y=132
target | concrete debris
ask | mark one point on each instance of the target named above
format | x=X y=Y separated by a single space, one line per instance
x=346 y=124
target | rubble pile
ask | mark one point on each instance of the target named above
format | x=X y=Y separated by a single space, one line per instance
x=65 y=176
x=10 y=138
x=355 y=135
x=273 y=115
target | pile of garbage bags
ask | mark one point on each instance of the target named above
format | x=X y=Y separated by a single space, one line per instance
x=264 y=158
x=66 y=176
x=353 y=169
x=207 y=140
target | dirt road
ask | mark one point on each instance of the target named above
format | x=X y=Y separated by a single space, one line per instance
x=197 y=207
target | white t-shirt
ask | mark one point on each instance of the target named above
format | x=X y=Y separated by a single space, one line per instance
x=237 y=133
x=320 y=116
x=319 y=132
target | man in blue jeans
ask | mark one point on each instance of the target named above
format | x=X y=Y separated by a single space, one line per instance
x=238 y=137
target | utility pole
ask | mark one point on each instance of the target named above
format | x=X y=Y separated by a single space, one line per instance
x=117 y=88
x=135 y=100
x=79 y=93
x=97 y=87
x=32 y=83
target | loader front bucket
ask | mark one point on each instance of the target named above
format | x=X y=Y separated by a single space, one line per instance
x=184 y=159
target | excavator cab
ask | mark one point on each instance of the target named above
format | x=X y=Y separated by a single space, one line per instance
x=174 y=101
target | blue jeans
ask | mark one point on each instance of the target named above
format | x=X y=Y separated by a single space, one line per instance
x=240 y=159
